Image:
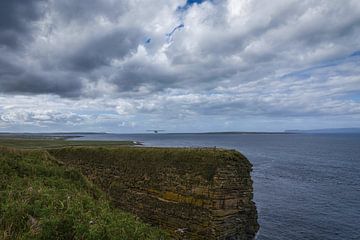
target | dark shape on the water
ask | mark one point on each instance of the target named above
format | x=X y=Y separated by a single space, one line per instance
x=155 y=130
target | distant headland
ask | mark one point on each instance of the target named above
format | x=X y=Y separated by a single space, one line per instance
x=327 y=130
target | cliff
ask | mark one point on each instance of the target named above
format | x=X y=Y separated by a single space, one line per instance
x=191 y=193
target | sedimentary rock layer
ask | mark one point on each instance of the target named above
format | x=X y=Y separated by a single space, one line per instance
x=192 y=193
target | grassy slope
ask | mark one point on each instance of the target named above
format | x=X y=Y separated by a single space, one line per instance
x=56 y=143
x=42 y=200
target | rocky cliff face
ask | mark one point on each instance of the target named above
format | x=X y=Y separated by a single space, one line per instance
x=192 y=193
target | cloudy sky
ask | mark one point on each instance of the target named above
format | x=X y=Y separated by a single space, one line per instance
x=183 y=66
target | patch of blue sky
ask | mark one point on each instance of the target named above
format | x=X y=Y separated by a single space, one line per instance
x=170 y=34
x=181 y=10
x=188 y=4
x=176 y=28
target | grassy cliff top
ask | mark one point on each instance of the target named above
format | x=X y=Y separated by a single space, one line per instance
x=26 y=143
x=44 y=194
x=145 y=161
x=41 y=200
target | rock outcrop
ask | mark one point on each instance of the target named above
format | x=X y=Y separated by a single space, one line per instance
x=192 y=193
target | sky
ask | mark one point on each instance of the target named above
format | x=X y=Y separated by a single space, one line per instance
x=125 y=66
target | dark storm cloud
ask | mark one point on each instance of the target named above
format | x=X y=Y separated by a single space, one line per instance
x=17 y=80
x=101 y=50
x=29 y=70
x=17 y=30
x=16 y=17
x=86 y=11
x=7 y=69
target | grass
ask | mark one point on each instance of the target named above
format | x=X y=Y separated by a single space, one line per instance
x=24 y=143
x=40 y=199
x=138 y=162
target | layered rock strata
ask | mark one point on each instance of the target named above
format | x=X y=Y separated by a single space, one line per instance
x=192 y=193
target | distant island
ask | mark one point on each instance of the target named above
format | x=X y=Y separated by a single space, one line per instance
x=241 y=132
x=326 y=130
x=295 y=131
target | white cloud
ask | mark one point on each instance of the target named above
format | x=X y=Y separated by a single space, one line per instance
x=233 y=59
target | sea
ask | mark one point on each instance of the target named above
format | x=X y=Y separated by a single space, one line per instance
x=306 y=186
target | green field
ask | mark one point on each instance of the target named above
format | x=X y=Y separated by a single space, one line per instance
x=42 y=199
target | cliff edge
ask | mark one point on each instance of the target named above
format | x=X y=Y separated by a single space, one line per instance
x=191 y=193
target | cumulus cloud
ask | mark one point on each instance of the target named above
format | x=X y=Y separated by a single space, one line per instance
x=169 y=61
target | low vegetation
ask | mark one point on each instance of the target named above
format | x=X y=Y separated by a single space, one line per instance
x=140 y=161
x=40 y=199
x=24 y=143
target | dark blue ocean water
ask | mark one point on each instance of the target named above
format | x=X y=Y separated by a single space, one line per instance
x=305 y=186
